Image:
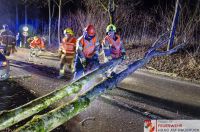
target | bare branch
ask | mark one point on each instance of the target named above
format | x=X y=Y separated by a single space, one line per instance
x=67 y=2
x=53 y=10
x=104 y=7
x=56 y=2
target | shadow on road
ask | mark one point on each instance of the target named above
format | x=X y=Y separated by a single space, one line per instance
x=173 y=106
x=49 y=57
x=12 y=95
x=42 y=70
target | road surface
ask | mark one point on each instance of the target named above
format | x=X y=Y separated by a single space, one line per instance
x=140 y=96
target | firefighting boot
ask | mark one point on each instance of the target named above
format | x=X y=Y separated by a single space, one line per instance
x=110 y=73
x=33 y=52
x=61 y=74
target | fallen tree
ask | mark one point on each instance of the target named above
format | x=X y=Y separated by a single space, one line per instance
x=58 y=116
x=11 y=117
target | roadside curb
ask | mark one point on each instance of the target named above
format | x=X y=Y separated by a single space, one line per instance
x=169 y=75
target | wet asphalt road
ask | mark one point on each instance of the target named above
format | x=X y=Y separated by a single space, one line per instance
x=122 y=109
x=181 y=96
x=13 y=94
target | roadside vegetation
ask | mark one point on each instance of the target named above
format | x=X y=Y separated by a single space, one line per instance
x=140 y=28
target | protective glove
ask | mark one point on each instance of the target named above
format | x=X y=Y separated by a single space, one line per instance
x=109 y=58
x=60 y=53
x=124 y=57
x=83 y=62
x=105 y=60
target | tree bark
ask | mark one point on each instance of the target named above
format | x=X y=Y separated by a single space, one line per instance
x=59 y=19
x=111 y=11
x=57 y=117
x=49 y=6
x=11 y=117
x=174 y=24
x=17 y=17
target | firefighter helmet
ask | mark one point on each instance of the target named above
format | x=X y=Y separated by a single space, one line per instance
x=68 y=31
x=35 y=37
x=111 y=27
x=90 y=30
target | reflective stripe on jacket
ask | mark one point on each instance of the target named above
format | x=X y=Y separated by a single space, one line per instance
x=69 y=46
x=87 y=48
x=37 y=43
x=115 y=47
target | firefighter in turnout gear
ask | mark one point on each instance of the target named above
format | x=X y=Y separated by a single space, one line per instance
x=7 y=40
x=87 y=54
x=67 y=52
x=112 y=46
x=36 y=45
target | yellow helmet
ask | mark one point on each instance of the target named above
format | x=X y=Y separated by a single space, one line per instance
x=111 y=27
x=68 y=31
x=35 y=37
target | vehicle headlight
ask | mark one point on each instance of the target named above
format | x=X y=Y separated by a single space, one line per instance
x=4 y=63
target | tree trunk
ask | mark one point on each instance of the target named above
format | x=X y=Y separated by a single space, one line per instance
x=25 y=23
x=111 y=11
x=59 y=19
x=60 y=115
x=11 y=117
x=25 y=16
x=174 y=24
x=17 y=18
x=49 y=6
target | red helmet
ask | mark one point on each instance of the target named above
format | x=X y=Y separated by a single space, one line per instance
x=90 y=30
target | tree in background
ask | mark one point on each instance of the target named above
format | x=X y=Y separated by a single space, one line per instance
x=111 y=8
x=59 y=4
x=174 y=23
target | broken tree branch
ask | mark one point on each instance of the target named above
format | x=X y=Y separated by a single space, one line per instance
x=11 y=117
x=60 y=115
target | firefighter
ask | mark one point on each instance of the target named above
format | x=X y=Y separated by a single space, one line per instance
x=87 y=54
x=5 y=30
x=112 y=46
x=7 y=40
x=67 y=52
x=36 y=45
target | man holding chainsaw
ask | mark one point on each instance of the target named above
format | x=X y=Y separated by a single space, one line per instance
x=87 y=54
x=67 y=52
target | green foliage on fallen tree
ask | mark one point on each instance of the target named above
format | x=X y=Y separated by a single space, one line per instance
x=57 y=117
x=11 y=117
